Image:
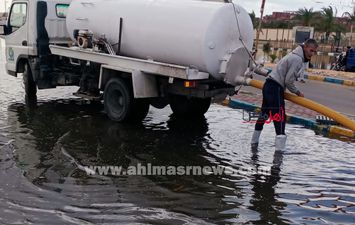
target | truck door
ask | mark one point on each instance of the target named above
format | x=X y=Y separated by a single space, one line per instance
x=17 y=36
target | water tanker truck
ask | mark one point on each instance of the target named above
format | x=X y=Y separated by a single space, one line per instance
x=130 y=54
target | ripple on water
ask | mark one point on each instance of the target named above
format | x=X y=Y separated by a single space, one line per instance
x=98 y=201
x=42 y=153
x=297 y=194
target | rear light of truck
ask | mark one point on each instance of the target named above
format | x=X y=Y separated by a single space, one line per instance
x=190 y=84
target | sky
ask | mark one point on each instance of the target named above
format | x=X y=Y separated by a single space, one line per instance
x=293 y=5
x=277 y=5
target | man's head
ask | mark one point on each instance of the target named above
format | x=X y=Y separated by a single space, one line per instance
x=310 y=49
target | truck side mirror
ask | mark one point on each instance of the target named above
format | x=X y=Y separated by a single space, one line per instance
x=3 y=29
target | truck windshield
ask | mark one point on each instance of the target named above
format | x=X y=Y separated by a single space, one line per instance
x=61 y=10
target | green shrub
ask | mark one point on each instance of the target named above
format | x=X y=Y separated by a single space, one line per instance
x=273 y=57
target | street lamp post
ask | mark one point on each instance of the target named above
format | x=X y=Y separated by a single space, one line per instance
x=259 y=27
x=351 y=35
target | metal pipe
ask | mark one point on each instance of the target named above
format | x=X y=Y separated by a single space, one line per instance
x=120 y=38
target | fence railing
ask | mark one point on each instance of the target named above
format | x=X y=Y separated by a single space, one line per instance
x=326 y=53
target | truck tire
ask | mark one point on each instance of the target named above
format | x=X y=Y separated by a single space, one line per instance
x=120 y=104
x=29 y=85
x=184 y=106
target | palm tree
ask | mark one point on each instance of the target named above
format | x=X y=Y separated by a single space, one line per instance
x=305 y=16
x=253 y=19
x=351 y=17
x=351 y=20
x=267 y=49
x=328 y=20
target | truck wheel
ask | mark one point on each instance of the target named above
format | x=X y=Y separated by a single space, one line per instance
x=30 y=85
x=120 y=104
x=189 y=107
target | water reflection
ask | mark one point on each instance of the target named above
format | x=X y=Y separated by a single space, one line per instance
x=50 y=146
x=264 y=198
x=42 y=149
x=54 y=141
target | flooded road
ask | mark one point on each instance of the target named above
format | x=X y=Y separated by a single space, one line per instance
x=43 y=153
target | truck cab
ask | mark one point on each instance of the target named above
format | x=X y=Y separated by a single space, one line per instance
x=31 y=26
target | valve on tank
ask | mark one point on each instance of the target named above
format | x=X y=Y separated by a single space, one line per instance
x=84 y=39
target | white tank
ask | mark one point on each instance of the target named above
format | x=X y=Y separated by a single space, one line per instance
x=192 y=33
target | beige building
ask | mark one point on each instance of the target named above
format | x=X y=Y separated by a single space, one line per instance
x=288 y=35
x=275 y=34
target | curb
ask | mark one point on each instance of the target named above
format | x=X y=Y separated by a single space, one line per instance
x=330 y=80
x=308 y=123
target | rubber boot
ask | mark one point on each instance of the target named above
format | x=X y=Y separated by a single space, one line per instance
x=255 y=138
x=280 y=142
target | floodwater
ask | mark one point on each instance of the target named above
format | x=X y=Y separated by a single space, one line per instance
x=43 y=180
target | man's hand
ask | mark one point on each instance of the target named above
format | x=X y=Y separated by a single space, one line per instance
x=300 y=94
x=302 y=81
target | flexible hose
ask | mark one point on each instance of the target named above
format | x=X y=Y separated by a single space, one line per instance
x=343 y=120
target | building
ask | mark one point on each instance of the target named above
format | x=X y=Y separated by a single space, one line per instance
x=3 y=17
x=279 y=16
x=5 y=5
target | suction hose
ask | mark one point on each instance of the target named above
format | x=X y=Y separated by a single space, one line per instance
x=343 y=120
